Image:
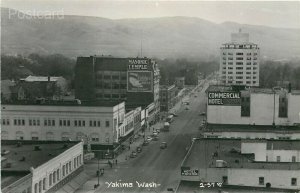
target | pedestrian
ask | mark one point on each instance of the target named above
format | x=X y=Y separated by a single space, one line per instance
x=116 y=162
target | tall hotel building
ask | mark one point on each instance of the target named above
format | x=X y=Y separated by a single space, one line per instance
x=239 y=61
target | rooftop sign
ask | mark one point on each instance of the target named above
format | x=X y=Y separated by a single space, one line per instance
x=224 y=98
x=138 y=64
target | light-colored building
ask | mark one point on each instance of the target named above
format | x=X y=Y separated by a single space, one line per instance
x=95 y=123
x=239 y=61
x=254 y=106
x=249 y=163
x=41 y=167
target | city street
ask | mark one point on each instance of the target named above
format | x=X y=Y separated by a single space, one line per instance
x=160 y=168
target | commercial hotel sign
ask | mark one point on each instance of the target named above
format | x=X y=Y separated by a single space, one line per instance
x=224 y=98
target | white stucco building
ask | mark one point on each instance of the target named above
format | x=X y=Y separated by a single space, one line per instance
x=93 y=123
x=45 y=170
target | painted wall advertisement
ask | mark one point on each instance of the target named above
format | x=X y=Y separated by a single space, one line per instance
x=224 y=98
x=139 y=81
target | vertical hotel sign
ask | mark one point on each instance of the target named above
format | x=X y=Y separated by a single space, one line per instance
x=224 y=98
x=139 y=75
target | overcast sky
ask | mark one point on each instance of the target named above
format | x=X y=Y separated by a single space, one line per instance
x=269 y=13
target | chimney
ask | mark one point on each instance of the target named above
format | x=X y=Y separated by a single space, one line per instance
x=290 y=87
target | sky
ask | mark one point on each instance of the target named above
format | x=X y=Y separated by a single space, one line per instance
x=284 y=14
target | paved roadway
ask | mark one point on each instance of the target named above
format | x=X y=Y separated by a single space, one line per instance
x=153 y=164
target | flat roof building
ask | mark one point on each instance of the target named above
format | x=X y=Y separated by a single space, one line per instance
x=35 y=167
x=250 y=163
x=134 y=80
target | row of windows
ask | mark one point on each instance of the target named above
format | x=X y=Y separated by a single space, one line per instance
x=239 y=58
x=52 y=122
x=108 y=96
x=239 y=54
x=65 y=136
x=239 y=82
x=261 y=181
x=109 y=77
x=54 y=177
x=240 y=63
x=238 y=72
x=109 y=85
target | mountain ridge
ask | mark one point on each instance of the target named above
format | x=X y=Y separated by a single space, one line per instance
x=164 y=37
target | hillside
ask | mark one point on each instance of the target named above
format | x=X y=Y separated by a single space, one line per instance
x=166 y=37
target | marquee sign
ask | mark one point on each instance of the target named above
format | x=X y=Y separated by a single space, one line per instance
x=224 y=98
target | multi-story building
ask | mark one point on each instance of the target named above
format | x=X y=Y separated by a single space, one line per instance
x=96 y=123
x=180 y=82
x=243 y=163
x=36 y=167
x=167 y=97
x=134 y=80
x=44 y=87
x=239 y=61
x=253 y=113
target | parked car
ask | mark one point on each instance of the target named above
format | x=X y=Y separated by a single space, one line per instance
x=146 y=143
x=157 y=130
x=149 y=138
x=163 y=145
x=155 y=133
x=203 y=113
x=139 y=149
x=133 y=154
x=186 y=108
x=155 y=138
x=174 y=114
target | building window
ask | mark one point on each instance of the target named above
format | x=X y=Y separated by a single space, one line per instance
x=278 y=158
x=293 y=158
x=75 y=123
x=63 y=170
x=225 y=179
x=50 y=179
x=294 y=181
x=70 y=166
x=54 y=177
x=44 y=184
x=57 y=174
x=106 y=123
x=98 y=123
x=261 y=180
x=283 y=107
x=245 y=106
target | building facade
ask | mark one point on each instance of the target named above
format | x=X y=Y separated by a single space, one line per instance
x=134 y=80
x=44 y=87
x=239 y=61
x=44 y=175
x=250 y=163
x=93 y=123
x=167 y=97
x=254 y=107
